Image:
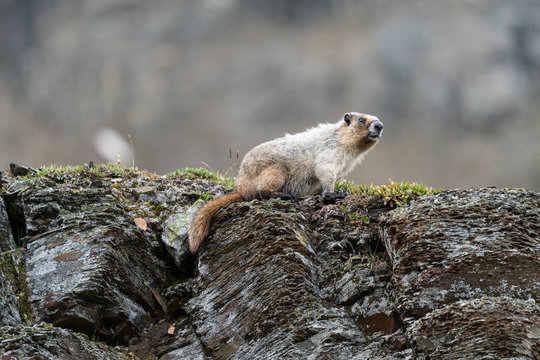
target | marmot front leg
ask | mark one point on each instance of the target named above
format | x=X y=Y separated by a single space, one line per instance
x=328 y=185
x=327 y=178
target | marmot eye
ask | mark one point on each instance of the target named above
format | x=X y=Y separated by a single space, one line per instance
x=361 y=120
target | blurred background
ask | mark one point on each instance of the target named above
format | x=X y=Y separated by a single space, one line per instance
x=456 y=83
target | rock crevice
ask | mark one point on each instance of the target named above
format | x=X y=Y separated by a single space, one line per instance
x=105 y=255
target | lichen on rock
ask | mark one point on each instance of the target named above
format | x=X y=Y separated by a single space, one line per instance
x=6 y=237
x=101 y=250
x=43 y=341
x=488 y=327
x=467 y=249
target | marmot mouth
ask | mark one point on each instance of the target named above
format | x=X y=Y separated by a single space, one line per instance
x=373 y=136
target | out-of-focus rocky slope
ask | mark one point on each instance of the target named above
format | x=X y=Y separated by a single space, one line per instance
x=94 y=265
x=456 y=83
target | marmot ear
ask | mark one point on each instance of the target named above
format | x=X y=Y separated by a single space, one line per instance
x=347 y=119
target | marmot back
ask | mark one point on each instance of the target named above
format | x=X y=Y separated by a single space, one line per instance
x=302 y=164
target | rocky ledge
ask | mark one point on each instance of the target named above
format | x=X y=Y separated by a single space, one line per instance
x=94 y=265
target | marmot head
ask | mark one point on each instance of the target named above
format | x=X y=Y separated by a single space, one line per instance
x=361 y=130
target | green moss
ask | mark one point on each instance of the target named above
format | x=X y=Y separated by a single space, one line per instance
x=179 y=280
x=354 y=217
x=204 y=196
x=80 y=173
x=193 y=173
x=157 y=207
x=176 y=225
x=202 y=173
x=14 y=269
x=392 y=193
x=357 y=261
x=45 y=327
x=310 y=315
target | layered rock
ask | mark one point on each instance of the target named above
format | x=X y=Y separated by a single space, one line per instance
x=103 y=253
x=43 y=341
x=469 y=262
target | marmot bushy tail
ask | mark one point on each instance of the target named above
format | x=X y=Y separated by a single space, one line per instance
x=302 y=164
x=200 y=224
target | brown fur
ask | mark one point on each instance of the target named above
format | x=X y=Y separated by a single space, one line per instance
x=200 y=224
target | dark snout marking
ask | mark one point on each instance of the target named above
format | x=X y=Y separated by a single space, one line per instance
x=377 y=126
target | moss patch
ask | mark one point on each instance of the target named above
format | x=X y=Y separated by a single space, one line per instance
x=392 y=193
x=14 y=269
x=202 y=173
x=82 y=174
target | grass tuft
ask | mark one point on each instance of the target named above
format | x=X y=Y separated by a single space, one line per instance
x=392 y=193
x=80 y=173
x=202 y=173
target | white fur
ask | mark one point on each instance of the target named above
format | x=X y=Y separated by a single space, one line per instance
x=311 y=161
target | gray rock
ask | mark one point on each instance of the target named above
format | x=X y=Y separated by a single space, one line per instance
x=94 y=259
x=174 y=236
x=354 y=285
x=484 y=328
x=194 y=350
x=464 y=244
x=43 y=341
x=14 y=307
x=92 y=281
x=6 y=237
x=20 y=170
x=9 y=307
x=258 y=294
x=274 y=279
x=457 y=256
x=376 y=313
x=90 y=268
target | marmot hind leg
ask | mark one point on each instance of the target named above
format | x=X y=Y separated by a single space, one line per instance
x=271 y=181
x=282 y=196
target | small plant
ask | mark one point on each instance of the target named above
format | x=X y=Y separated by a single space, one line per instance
x=392 y=193
x=355 y=218
x=132 y=152
x=204 y=196
x=194 y=173
x=202 y=173
x=373 y=252
x=80 y=173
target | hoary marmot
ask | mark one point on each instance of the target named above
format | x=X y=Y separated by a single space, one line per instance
x=295 y=165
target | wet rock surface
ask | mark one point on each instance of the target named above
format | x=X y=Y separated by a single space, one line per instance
x=461 y=244
x=174 y=236
x=6 y=237
x=14 y=306
x=232 y=298
x=43 y=341
x=89 y=267
x=470 y=249
x=9 y=311
x=484 y=328
x=103 y=253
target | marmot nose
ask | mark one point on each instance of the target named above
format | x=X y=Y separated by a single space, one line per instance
x=377 y=125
